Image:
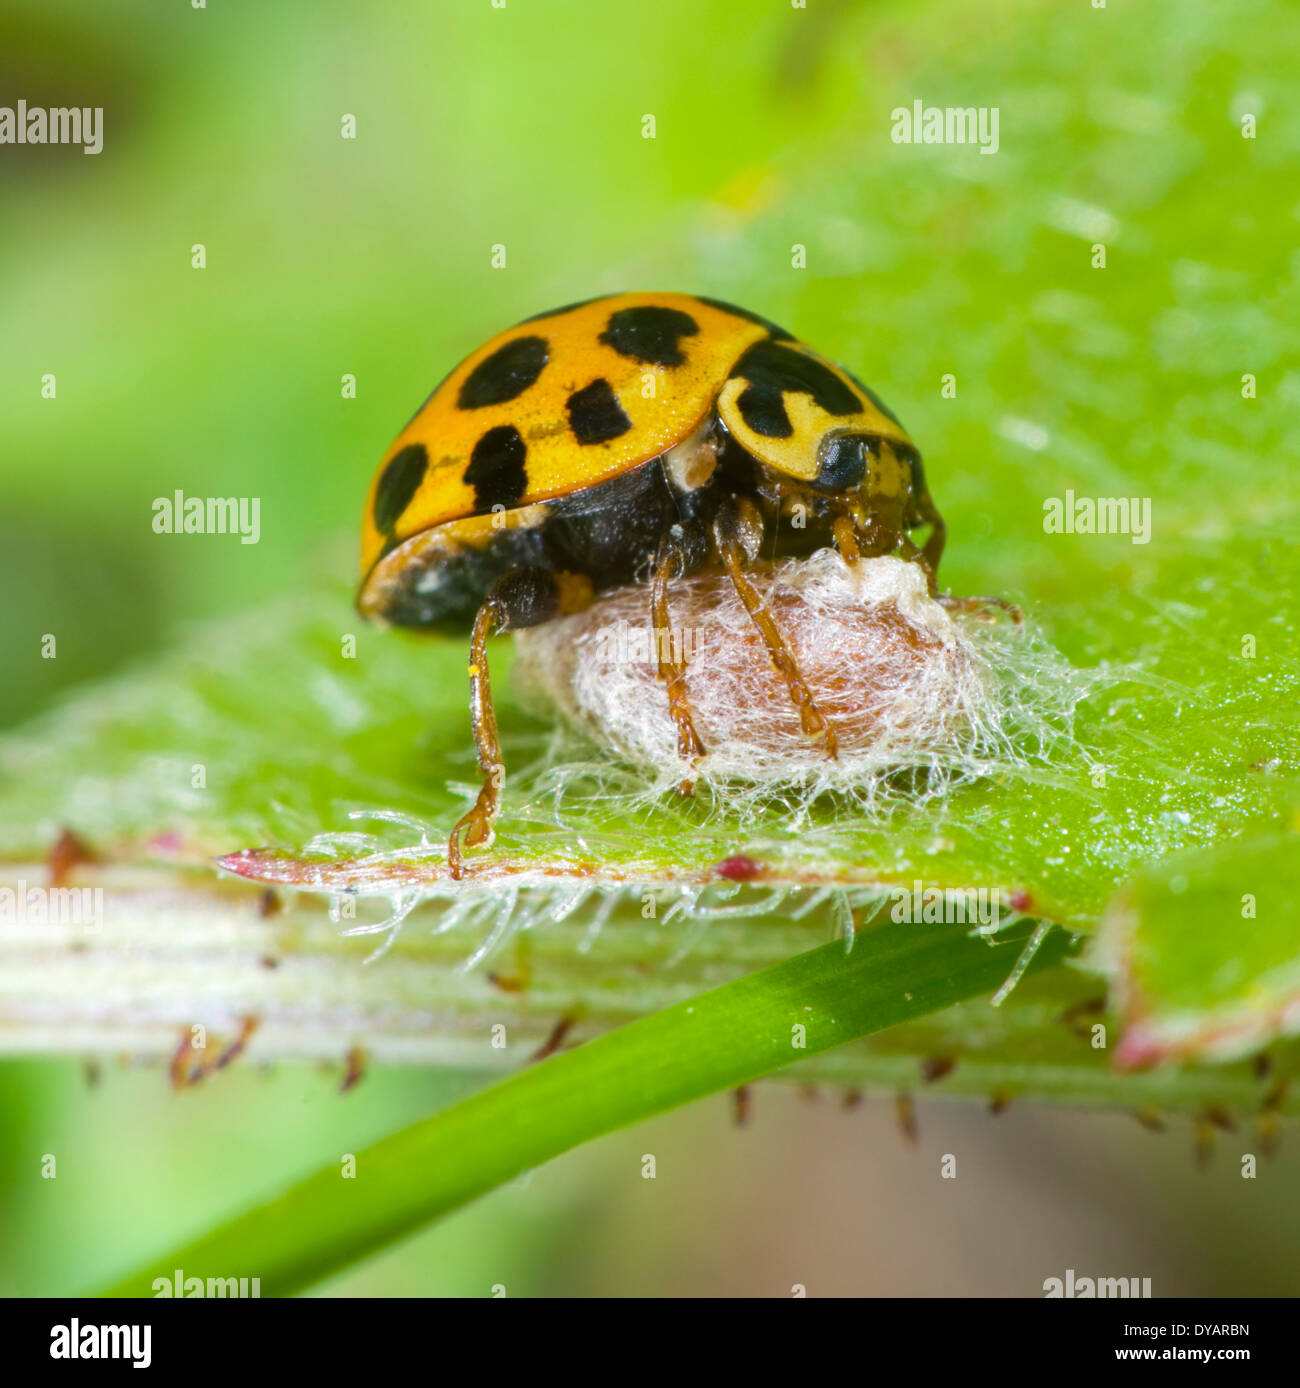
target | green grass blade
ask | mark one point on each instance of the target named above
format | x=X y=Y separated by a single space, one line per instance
x=718 y=1040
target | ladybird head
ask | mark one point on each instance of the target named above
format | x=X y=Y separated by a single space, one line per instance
x=805 y=418
x=880 y=470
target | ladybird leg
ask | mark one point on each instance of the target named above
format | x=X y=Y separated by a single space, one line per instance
x=908 y=549
x=880 y=531
x=846 y=538
x=477 y=824
x=737 y=534
x=673 y=675
x=950 y=600
x=981 y=605
x=524 y=597
x=932 y=551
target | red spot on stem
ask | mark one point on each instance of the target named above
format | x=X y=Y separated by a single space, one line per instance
x=738 y=869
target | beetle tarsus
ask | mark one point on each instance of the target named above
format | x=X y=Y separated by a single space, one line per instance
x=954 y=603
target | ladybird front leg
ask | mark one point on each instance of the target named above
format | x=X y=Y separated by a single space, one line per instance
x=932 y=551
x=737 y=537
x=910 y=550
x=980 y=606
x=847 y=530
x=846 y=538
x=949 y=600
x=879 y=528
x=673 y=674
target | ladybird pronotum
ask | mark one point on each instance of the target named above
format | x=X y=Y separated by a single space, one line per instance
x=637 y=439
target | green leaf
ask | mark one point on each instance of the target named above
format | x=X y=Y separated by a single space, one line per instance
x=1204 y=951
x=720 y=1039
x=1123 y=381
x=1163 y=673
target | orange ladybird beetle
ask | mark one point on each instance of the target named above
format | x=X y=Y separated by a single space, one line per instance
x=631 y=439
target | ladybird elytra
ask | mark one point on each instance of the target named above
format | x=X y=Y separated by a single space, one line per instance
x=630 y=439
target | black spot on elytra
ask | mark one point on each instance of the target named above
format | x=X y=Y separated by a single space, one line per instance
x=496 y=468
x=773 y=370
x=763 y=409
x=595 y=415
x=398 y=484
x=776 y=333
x=649 y=333
x=843 y=463
x=873 y=397
x=507 y=373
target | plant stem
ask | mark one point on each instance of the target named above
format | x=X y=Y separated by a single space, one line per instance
x=715 y=1041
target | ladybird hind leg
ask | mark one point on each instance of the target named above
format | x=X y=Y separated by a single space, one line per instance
x=737 y=536
x=671 y=671
x=525 y=597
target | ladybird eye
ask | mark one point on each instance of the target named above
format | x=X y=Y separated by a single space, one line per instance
x=842 y=462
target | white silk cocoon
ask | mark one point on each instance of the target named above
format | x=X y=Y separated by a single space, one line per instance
x=900 y=681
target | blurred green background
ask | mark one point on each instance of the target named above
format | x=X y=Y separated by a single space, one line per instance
x=522 y=127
